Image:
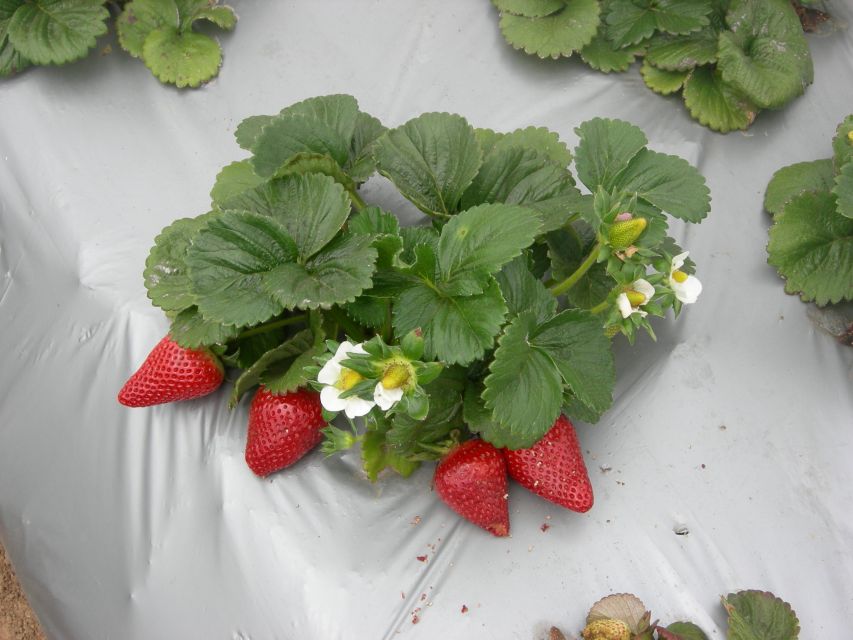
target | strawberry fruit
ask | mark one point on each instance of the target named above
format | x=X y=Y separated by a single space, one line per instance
x=170 y=373
x=554 y=468
x=471 y=480
x=282 y=429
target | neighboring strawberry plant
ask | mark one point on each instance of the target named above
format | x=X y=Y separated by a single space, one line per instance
x=729 y=58
x=160 y=32
x=752 y=615
x=811 y=240
x=490 y=321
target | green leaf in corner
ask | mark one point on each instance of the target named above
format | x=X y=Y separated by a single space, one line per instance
x=843 y=190
x=304 y=163
x=538 y=139
x=361 y=164
x=529 y=8
x=794 y=179
x=662 y=81
x=233 y=180
x=11 y=61
x=279 y=359
x=141 y=17
x=57 y=31
x=759 y=615
x=667 y=182
x=592 y=289
x=249 y=130
x=765 y=55
x=524 y=389
x=191 y=330
x=602 y=55
x=714 y=103
x=682 y=53
x=222 y=16
x=605 y=149
x=682 y=631
x=631 y=21
x=431 y=159
x=812 y=248
x=577 y=410
x=185 y=59
x=842 y=143
x=558 y=34
x=285 y=377
x=524 y=292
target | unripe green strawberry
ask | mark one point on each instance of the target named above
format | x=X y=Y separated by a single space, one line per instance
x=606 y=630
x=624 y=234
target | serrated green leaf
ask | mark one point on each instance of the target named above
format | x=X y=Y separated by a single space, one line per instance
x=479 y=241
x=682 y=53
x=304 y=163
x=758 y=615
x=57 y=31
x=524 y=389
x=668 y=182
x=566 y=251
x=714 y=103
x=279 y=378
x=555 y=35
x=141 y=17
x=456 y=329
x=227 y=262
x=414 y=237
x=369 y=311
x=246 y=350
x=661 y=81
x=529 y=8
x=576 y=410
x=765 y=55
x=165 y=273
x=431 y=159
x=592 y=289
x=538 y=139
x=487 y=139
x=184 y=59
x=11 y=61
x=233 y=180
x=524 y=292
x=686 y=631
x=812 y=248
x=842 y=143
x=191 y=330
x=312 y=208
x=249 y=130
x=222 y=16
x=290 y=134
x=361 y=164
x=631 y=21
x=575 y=341
x=794 y=179
x=605 y=149
x=843 y=190
x=374 y=221
x=602 y=55
x=338 y=112
x=282 y=356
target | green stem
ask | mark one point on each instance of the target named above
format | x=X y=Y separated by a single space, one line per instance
x=357 y=203
x=350 y=328
x=561 y=288
x=275 y=324
x=600 y=307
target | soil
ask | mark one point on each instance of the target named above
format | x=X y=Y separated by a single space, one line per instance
x=17 y=620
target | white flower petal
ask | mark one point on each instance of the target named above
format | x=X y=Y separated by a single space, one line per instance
x=330 y=372
x=386 y=398
x=624 y=305
x=344 y=348
x=688 y=291
x=678 y=261
x=645 y=287
x=330 y=398
x=357 y=407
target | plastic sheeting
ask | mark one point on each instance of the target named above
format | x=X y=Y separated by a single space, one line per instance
x=735 y=426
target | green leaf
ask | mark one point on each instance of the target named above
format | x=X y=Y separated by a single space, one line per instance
x=184 y=59
x=233 y=180
x=374 y=221
x=11 y=62
x=361 y=164
x=794 y=179
x=222 y=16
x=661 y=81
x=765 y=55
x=292 y=133
x=592 y=289
x=57 y=31
x=538 y=139
x=304 y=163
x=338 y=112
x=312 y=208
x=685 y=631
x=369 y=311
x=606 y=147
x=842 y=143
x=714 y=103
x=141 y=17
x=281 y=357
x=228 y=262
x=759 y=615
x=631 y=21
x=843 y=190
x=682 y=53
x=529 y=8
x=279 y=378
x=668 y=182
x=524 y=292
x=576 y=410
x=456 y=329
x=165 y=273
x=191 y=330
x=524 y=389
x=431 y=159
x=555 y=35
x=575 y=341
x=479 y=241
x=602 y=55
x=249 y=130
x=812 y=248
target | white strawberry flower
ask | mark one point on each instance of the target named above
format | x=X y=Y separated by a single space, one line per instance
x=686 y=287
x=386 y=398
x=397 y=377
x=630 y=301
x=339 y=379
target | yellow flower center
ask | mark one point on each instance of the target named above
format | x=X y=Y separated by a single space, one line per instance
x=850 y=136
x=635 y=298
x=348 y=379
x=679 y=276
x=395 y=376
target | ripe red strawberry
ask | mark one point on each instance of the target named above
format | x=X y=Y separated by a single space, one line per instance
x=471 y=479
x=282 y=429
x=554 y=468
x=171 y=372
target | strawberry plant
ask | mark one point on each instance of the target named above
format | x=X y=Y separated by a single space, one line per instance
x=159 y=32
x=811 y=239
x=728 y=58
x=472 y=338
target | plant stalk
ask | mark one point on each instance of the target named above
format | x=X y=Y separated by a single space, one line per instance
x=561 y=287
x=275 y=324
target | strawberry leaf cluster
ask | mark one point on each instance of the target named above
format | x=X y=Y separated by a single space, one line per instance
x=811 y=240
x=729 y=58
x=159 y=32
